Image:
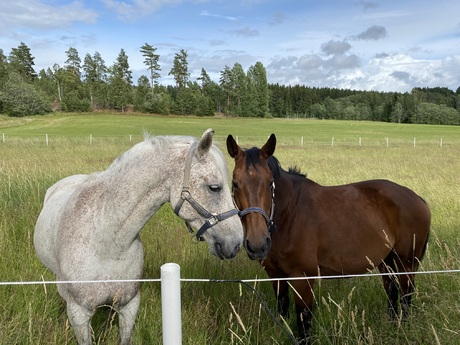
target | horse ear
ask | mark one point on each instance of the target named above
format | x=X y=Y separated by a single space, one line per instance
x=232 y=147
x=269 y=148
x=205 y=143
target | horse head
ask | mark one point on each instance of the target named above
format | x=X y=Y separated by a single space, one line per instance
x=209 y=206
x=253 y=192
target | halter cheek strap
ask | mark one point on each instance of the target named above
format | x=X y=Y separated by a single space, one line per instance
x=211 y=218
x=269 y=219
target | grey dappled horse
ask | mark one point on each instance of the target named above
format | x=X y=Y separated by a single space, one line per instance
x=89 y=226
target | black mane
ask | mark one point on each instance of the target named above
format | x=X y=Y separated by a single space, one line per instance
x=296 y=171
x=253 y=159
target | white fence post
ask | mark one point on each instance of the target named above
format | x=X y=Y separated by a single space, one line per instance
x=3 y=137
x=46 y=139
x=171 y=304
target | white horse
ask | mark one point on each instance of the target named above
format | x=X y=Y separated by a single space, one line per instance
x=89 y=226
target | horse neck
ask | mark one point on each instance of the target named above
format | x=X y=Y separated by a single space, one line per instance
x=287 y=186
x=139 y=184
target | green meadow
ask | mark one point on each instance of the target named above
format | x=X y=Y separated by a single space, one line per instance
x=348 y=311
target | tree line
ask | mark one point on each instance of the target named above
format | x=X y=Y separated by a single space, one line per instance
x=90 y=85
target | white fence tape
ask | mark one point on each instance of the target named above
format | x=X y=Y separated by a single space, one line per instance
x=210 y=280
x=171 y=297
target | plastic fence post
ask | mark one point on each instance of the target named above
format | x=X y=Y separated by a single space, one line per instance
x=171 y=304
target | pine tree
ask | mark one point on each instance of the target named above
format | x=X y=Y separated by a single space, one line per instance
x=258 y=77
x=142 y=92
x=120 y=82
x=95 y=76
x=73 y=63
x=121 y=68
x=58 y=73
x=72 y=73
x=226 y=83
x=151 y=61
x=240 y=90
x=22 y=62
x=180 y=69
x=205 y=81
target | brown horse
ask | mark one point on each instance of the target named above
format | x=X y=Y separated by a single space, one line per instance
x=326 y=231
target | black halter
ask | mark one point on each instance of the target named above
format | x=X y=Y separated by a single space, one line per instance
x=269 y=219
x=211 y=218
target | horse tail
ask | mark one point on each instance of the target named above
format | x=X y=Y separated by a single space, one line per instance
x=425 y=245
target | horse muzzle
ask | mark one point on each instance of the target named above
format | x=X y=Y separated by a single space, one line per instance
x=259 y=251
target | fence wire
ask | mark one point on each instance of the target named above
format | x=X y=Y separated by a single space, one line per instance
x=211 y=280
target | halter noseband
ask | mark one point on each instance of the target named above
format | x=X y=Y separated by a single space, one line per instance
x=211 y=218
x=269 y=219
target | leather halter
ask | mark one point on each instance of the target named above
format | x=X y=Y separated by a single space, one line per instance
x=268 y=219
x=211 y=218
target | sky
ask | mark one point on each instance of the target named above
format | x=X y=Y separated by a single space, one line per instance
x=390 y=45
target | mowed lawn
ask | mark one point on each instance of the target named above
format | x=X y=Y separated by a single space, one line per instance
x=313 y=131
x=351 y=311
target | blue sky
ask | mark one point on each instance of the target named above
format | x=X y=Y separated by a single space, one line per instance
x=358 y=44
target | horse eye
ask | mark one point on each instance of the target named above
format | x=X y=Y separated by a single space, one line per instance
x=234 y=185
x=215 y=188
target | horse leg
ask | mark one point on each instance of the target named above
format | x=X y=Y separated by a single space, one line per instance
x=80 y=319
x=282 y=296
x=126 y=319
x=391 y=287
x=303 y=297
x=281 y=287
x=406 y=286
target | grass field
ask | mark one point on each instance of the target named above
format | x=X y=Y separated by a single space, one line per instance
x=351 y=311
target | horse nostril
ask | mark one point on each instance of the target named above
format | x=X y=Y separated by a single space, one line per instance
x=248 y=246
x=268 y=243
x=218 y=250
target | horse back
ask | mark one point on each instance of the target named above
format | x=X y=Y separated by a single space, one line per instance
x=349 y=228
x=399 y=216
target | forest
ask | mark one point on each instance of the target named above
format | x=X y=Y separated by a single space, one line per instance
x=91 y=85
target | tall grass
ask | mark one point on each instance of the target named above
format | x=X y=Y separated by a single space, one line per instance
x=351 y=311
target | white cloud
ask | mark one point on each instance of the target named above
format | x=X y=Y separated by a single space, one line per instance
x=36 y=14
x=218 y=16
x=401 y=73
x=368 y=5
x=375 y=32
x=335 y=47
x=133 y=10
x=246 y=32
x=368 y=45
x=385 y=72
x=309 y=62
x=278 y=18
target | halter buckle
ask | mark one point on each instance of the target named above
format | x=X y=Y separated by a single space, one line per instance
x=185 y=194
x=213 y=220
